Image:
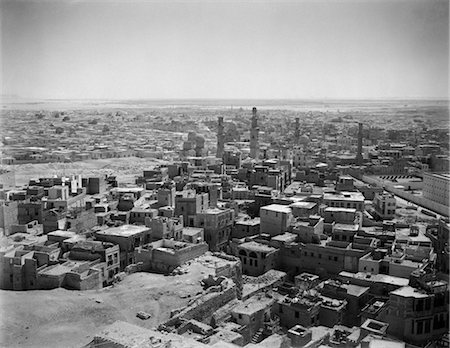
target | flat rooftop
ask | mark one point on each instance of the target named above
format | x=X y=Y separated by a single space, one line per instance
x=335 y=209
x=191 y=231
x=344 y=196
x=249 y=222
x=408 y=291
x=304 y=205
x=254 y=246
x=123 y=231
x=279 y=208
x=253 y=305
x=376 y=278
x=59 y=233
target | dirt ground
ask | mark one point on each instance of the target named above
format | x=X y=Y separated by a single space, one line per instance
x=64 y=318
x=125 y=169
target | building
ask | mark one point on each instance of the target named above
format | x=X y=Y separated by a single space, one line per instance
x=309 y=230
x=344 y=199
x=275 y=219
x=257 y=258
x=253 y=314
x=188 y=204
x=217 y=224
x=418 y=316
x=246 y=228
x=302 y=311
x=436 y=187
x=166 y=228
x=165 y=255
x=128 y=237
x=384 y=205
x=107 y=253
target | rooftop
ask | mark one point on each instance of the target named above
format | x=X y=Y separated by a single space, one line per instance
x=253 y=305
x=376 y=278
x=408 y=291
x=277 y=208
x=123 y=231
x=254 y=246
x=344 y=196
x=303 y=204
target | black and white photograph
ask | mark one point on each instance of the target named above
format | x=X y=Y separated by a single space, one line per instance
x=224 y=173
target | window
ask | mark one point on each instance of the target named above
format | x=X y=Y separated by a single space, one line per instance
x=280 y=306
x=251 y=262
x=427 y=303
x=297 y=314
x=419 y=327
x=320 y=256
x=240 y=316
x=256 y=263
x=335 y=258
x=427 y=325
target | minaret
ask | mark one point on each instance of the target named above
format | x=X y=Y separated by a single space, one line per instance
x=220 y=138
x=254 y=136
x=297 y=131
x=359 y=157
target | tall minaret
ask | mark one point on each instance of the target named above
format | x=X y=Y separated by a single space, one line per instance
x=254 y=136
x=297 y=130
x=359 y=157
x=220 y=138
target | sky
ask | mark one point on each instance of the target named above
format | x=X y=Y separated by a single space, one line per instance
x=365 y=49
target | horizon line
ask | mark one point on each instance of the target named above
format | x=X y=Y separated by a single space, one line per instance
x=2 y=98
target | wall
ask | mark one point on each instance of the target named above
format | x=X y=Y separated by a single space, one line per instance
x=78 y=281
x=205 y=306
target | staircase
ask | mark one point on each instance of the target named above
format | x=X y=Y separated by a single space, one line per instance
x=258 y=336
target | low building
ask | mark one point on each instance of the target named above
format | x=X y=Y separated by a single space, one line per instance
x=253 y=314
x=107 y=253
x=302 y=311
x=193 y=235
x=344 y=199
x=246 y=228
x=257 y=258
x=165 y=255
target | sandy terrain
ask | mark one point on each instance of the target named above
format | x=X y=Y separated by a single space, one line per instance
x=125 y=169
x=64 y=318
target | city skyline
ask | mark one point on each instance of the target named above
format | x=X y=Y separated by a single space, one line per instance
x=225 y=50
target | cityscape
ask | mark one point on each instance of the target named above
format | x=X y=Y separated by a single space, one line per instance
x=204 y=221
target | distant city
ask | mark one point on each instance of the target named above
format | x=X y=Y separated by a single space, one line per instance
x=225 y=223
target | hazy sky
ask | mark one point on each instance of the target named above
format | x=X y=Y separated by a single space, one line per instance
x=252 y=49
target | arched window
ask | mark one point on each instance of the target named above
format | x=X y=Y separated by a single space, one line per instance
x=242 y=252
x=253 y=254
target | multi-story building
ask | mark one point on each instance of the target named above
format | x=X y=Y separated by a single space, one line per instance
x=275 y=219
x=418 y=316
x=436 y=187
x=188 y=204
x=384 y=205
x=217 y=224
